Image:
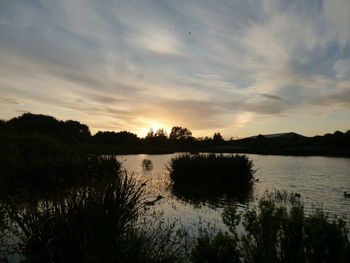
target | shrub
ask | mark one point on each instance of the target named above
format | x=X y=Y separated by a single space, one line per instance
x=205 y=176
x=277 y=232
x=147 y=165
x=211 y=169
x=41 y=176
x=103 y=221
x=88 y=225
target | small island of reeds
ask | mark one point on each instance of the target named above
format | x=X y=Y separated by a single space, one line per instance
x=208 y=172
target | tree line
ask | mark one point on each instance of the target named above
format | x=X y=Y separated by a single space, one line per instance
x=36 y=128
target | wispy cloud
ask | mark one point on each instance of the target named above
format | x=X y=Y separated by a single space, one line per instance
x=227 y=66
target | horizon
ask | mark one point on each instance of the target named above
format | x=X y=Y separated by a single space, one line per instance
x=234 y=67
x=167 y=131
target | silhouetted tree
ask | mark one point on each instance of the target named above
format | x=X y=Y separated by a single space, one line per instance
x=150 y=134
x=179 y=133
x=160 y=133
x=2 y=124
x=217 y=138
x=338 y=133
x=68 y=131
x=114 y=138
x=260 y=137
x=157 y=138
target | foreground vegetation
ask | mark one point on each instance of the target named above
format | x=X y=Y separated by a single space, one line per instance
x=102 y=220
x=278 y=230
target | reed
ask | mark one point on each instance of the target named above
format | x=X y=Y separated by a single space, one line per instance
x=211 y=169
x=88 y=225
x=275 y=231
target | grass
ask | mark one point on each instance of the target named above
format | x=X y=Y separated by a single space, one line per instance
x=41 y=176
x=211 y=169
x=85 y=226
x=203 y=176
x=275 y=231
x=100 y=220
x=147 y=165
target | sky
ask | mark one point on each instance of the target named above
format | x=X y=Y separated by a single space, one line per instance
x=236 y=67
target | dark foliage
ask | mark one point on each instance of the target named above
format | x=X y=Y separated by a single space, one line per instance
x=68 y=131
x=38 y=175
x=274 y=233
x=147 y=165
x=206 y=177
x=74 y=134
x=179 y=133
x=211 y=169
x=115 y=138
x=88 y=225
x=95 y=222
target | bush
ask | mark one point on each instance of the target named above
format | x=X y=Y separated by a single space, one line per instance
x=277 y=232
x=88 y=225
x=147 y=165
x=211 y=169
x=202 y=176
x=41 y=176
x=103 y=221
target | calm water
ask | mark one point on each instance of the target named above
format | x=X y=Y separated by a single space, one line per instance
x=319 y=180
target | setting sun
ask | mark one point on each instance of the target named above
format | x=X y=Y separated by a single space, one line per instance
x=154 y=125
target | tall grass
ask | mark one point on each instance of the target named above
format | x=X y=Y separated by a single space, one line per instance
x=101 y=221
x=211 y=169
x=275 y=232
x=88 y=225
x=40 y=176
x=200 y=176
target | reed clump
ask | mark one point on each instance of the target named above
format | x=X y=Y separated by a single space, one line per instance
x=275 y=231
x=40 y=176
x=100 y=221
x=212 y=170
x=88 y=225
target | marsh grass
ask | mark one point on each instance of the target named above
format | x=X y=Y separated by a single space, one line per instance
x=277 y=230
x=211 y=169
x=88 y=225
x=157 y=240
x=103 y=220
x=204 y=177
x=147 y=165
x=40 y=176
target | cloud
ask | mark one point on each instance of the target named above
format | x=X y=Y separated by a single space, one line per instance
x=338 y=98
x=270 y=96
x=336 y=13
x=127 y=64
x=342 y=68
x=5 y=100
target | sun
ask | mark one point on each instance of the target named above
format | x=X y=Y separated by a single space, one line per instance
x=154 y=125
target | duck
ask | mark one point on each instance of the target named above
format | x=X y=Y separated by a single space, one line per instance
x=346 y=194
x=154 y=201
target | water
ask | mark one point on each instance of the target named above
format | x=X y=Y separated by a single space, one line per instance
x=320 y=181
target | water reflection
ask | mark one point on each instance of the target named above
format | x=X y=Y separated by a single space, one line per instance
x=214 y=196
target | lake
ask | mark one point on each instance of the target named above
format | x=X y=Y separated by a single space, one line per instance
x=320 y=181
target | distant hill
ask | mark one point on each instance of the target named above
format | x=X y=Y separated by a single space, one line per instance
x=276 y=135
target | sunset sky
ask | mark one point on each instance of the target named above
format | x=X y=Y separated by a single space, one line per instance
x=231 y=66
